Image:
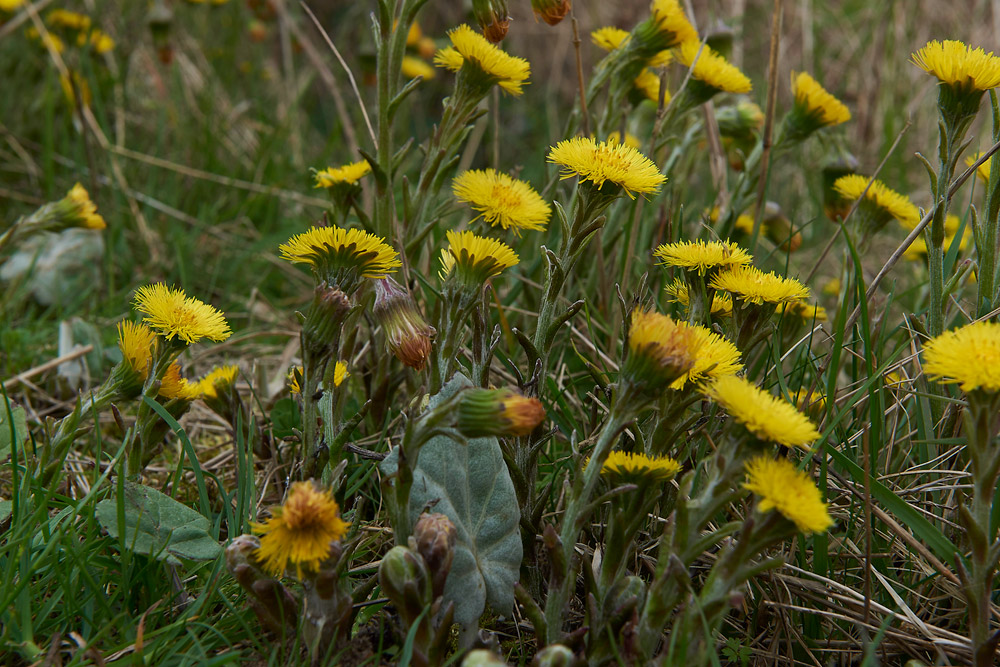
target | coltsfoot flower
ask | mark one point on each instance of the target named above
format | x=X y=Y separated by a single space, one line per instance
x=969 y=356
x=486 y=412
x=502 y=200
x=700 y=256
x=751 y=285
x=780 y=485
x=881 y=203
x=803 y=310
x=607 y=162
x=768 y=418
x=173 y=386
x=342 y=256
x=485 y=64
x=648 y=82
x=660 y=350
x=474 y=259
x=666 y=27
x=299 y=532
x=348 y=174
x=630 y=467
x=715 y=73
x=136 y=342
x=550 y=11
x=717 y=357
x=609 y=37
x=216 y=381
x=965 y=74
x=983 y=170
x=722 y=304
x=412 y=67
x=407 y=334
x=173 y=314
x=814 y=108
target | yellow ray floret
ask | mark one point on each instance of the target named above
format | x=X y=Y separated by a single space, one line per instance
x=780 y=485
x=722 y=304
x=670 y=18
x=701 y=256
x=299 y=532
x=510 y=71
x=891 y=202
x=173 y=386
x=607 y=161
x=221 y=377
x=340 y=373
x=481 y=256
x=609 y=38
x=348 y=174
x=770 y=419
x=136 y=342
x=717 y=357
x=969 y=356
x=412 y=67
x=627 y=466
x=959 y=65
x=367 y=253
x=661 y=349
x=174 y=314
x=750 y=284
x=649 y=83
x=712 y=69
x=983 y=170
x=85 y=211
x=816 y=100
x=502 y=200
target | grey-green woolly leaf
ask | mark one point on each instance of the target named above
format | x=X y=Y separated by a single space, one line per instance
x=470 y=484
x=17 y=435
x=157 y=525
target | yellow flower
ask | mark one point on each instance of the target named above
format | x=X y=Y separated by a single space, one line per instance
x=631 y=140
x=782 y=486
x=497 y=412
x=349 y=174
x=609 y=38
x=73 y=85
x=174 y=314
x=502 y=200
x=701 y=256
x=983 y=170
x=48 y=40
x=661 y=59
x=803 y=310
x=340 y=373
x=722 y=304
x=627 y=466
x=744 y=223
x=173 y=386
x=716 y=358
x=660 y=349
x=886 y=203
x=959 y=66
x=750 y=284
x=136 y=342
x=63 y=18
x=414 y=34
x=10 y=5
x=293 y=380
x=477 y=258
x=808 y=402
x=413 y=67
x=713 y=70
x=814 y=106
x=969 y=356
x=85 y=212
x=671 y=22
x=918 y=249
x=649 y=83
x=339 y=255
x=221 y=377
x=300 y=531
x=770 y=419
x=832 y=287
x=607 y=161
x=509 y=72
x=98 y=39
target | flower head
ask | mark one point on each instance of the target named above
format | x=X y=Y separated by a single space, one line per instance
x=717 y=357
x=666 y=27
x=412 y=68
x=782 y=486
x=803 y=310
x=814 y=107
x=969 y=356
x=716 y=74
x=770 y=419
x=701 y=256
x=10 y=5
x=502 y=200
x=958 y=65
x=219 y=379
x=983 y=170
x=630 y=139
x=342 y=256
x=340 y=373
x=629 y=467
x=86 y=211
x=486 y=412
x=294 y=375
x=550 y=11
x=474 y=259
x=485 y=63
x=722 y=304
x=751 y=285
x=607 y=161
x=609 y=38
x=881 y=203
x=648 y=82
x=173 y=386
x=660 y=350
x=136 y=343
x=64 y=18
x=407 y=334
x=175 y=315
x=348 y=174
x=300 y=531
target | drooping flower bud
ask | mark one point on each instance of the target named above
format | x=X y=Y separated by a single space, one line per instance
x=407 y=334
x=551 y=11
x=493 y=17
x=434 y=539
x=486 y=412
x=273 y=604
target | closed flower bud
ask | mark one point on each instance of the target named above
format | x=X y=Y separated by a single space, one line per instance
x=486 y=412
x=403 y=577
x=325 y=317
x=493 y=18
x=554 y=655
x=434 y=536
x=407 y=334
x=550 y=11
x=482 y=658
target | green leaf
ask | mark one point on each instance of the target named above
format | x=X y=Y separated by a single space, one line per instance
x=156 y=525
x=18 y=435
x=470 y=484
x=6 y=508
x=285 y=418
